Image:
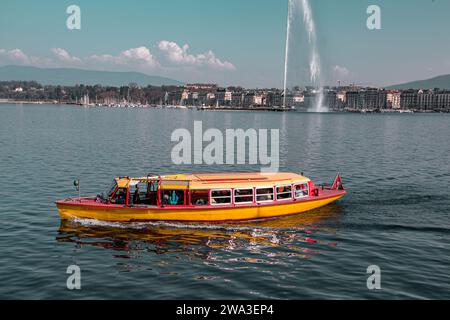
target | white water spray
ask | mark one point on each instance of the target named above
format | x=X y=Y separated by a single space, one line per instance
x=315 y=70
x=286 y=58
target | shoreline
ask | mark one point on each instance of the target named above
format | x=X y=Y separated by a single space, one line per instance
x=218 y=109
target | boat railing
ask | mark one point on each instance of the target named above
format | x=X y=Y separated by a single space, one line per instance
x=324 y=186
x=156 y=175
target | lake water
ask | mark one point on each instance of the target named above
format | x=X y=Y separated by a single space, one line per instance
x=396 y=169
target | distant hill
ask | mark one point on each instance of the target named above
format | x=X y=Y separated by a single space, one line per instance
x=70 y=77
x=442 y=82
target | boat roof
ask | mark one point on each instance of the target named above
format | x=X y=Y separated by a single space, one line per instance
x=225 y=180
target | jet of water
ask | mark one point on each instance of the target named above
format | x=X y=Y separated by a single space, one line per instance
x=286 y=59
x=315 y=70
x=314 y=65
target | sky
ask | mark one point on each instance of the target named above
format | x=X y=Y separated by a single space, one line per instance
x=231 y=42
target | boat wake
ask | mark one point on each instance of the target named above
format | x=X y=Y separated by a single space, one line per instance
x=175 y=225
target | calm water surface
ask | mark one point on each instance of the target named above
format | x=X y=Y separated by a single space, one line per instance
x=396 y=215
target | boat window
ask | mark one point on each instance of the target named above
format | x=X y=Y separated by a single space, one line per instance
x=243 y=195
x=264 y=194
x=173 y=197
x=301 y=190
x=139 y=194
x=199 y=197
x=120 y=197
x=112 y=188
x=153 y=186
x=284 y=192
x=220 y=197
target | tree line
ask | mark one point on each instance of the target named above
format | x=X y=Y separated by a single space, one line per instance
x=34 y=91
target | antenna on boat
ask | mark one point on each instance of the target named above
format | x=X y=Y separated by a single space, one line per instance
x=76 y=183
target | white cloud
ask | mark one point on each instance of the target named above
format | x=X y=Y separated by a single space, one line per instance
x=63 y=56
x=180 y=56
x=15 y=56
x=341 y=71
x=176 y=61
x=141 y=57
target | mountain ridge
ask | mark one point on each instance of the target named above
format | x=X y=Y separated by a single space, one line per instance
x=441 y=82
x=74 y=76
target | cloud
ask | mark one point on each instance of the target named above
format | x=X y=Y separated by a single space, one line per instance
x=15 y=56
x=340 y=71
x=140 y=56
x=174 y=60
x=180 y=56
x=63 y=56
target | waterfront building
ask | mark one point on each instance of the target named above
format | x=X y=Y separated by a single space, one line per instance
x=259 y=99
x=408 y=99
x=185 y=97
x=442 y=101
x=201 y=86
x=202 y=99
x=330 y=99
x=352 y=100
x=340 y=100
x=274 y=98
x=249 y=99
x=236 y=99
x=289 y=100
x=393 y=99
x=340 y=97
x=211 y=99
x=425 y=100
x=220 y=97
x=299 y=99
x=228 y=97
x=373 y=99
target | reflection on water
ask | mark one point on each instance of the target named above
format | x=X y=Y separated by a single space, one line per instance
x=296 y=235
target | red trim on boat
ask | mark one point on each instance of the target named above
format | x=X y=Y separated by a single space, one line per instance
x=90 y=203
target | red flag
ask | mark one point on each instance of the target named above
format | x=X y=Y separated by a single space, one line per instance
x=337 y=184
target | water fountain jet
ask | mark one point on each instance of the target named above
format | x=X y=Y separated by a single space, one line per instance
x=298 y=7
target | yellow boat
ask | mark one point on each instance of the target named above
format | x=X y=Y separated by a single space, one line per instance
x=203 y=197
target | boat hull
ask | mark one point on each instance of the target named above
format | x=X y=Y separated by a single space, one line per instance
x=70 y=210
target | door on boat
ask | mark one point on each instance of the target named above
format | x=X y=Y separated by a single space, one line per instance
x=143 y=193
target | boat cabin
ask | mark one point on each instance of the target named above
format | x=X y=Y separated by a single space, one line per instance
x=215 y=190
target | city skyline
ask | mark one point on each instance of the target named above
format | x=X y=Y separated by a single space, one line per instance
x=230 y=43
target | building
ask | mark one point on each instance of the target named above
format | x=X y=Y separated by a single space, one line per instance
x=201 y=86
x=393 y=99
x=352 y=100
x=237 y=99
x=408 y=99
x=220 y=97
x=259 y=99
x=274 y=98
x=330 y=99
x=228 y=97
x=425 y=100
x=373 y=99
x=289 y=100
x=442 y=101
x=202 y=99
x=248 y=99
